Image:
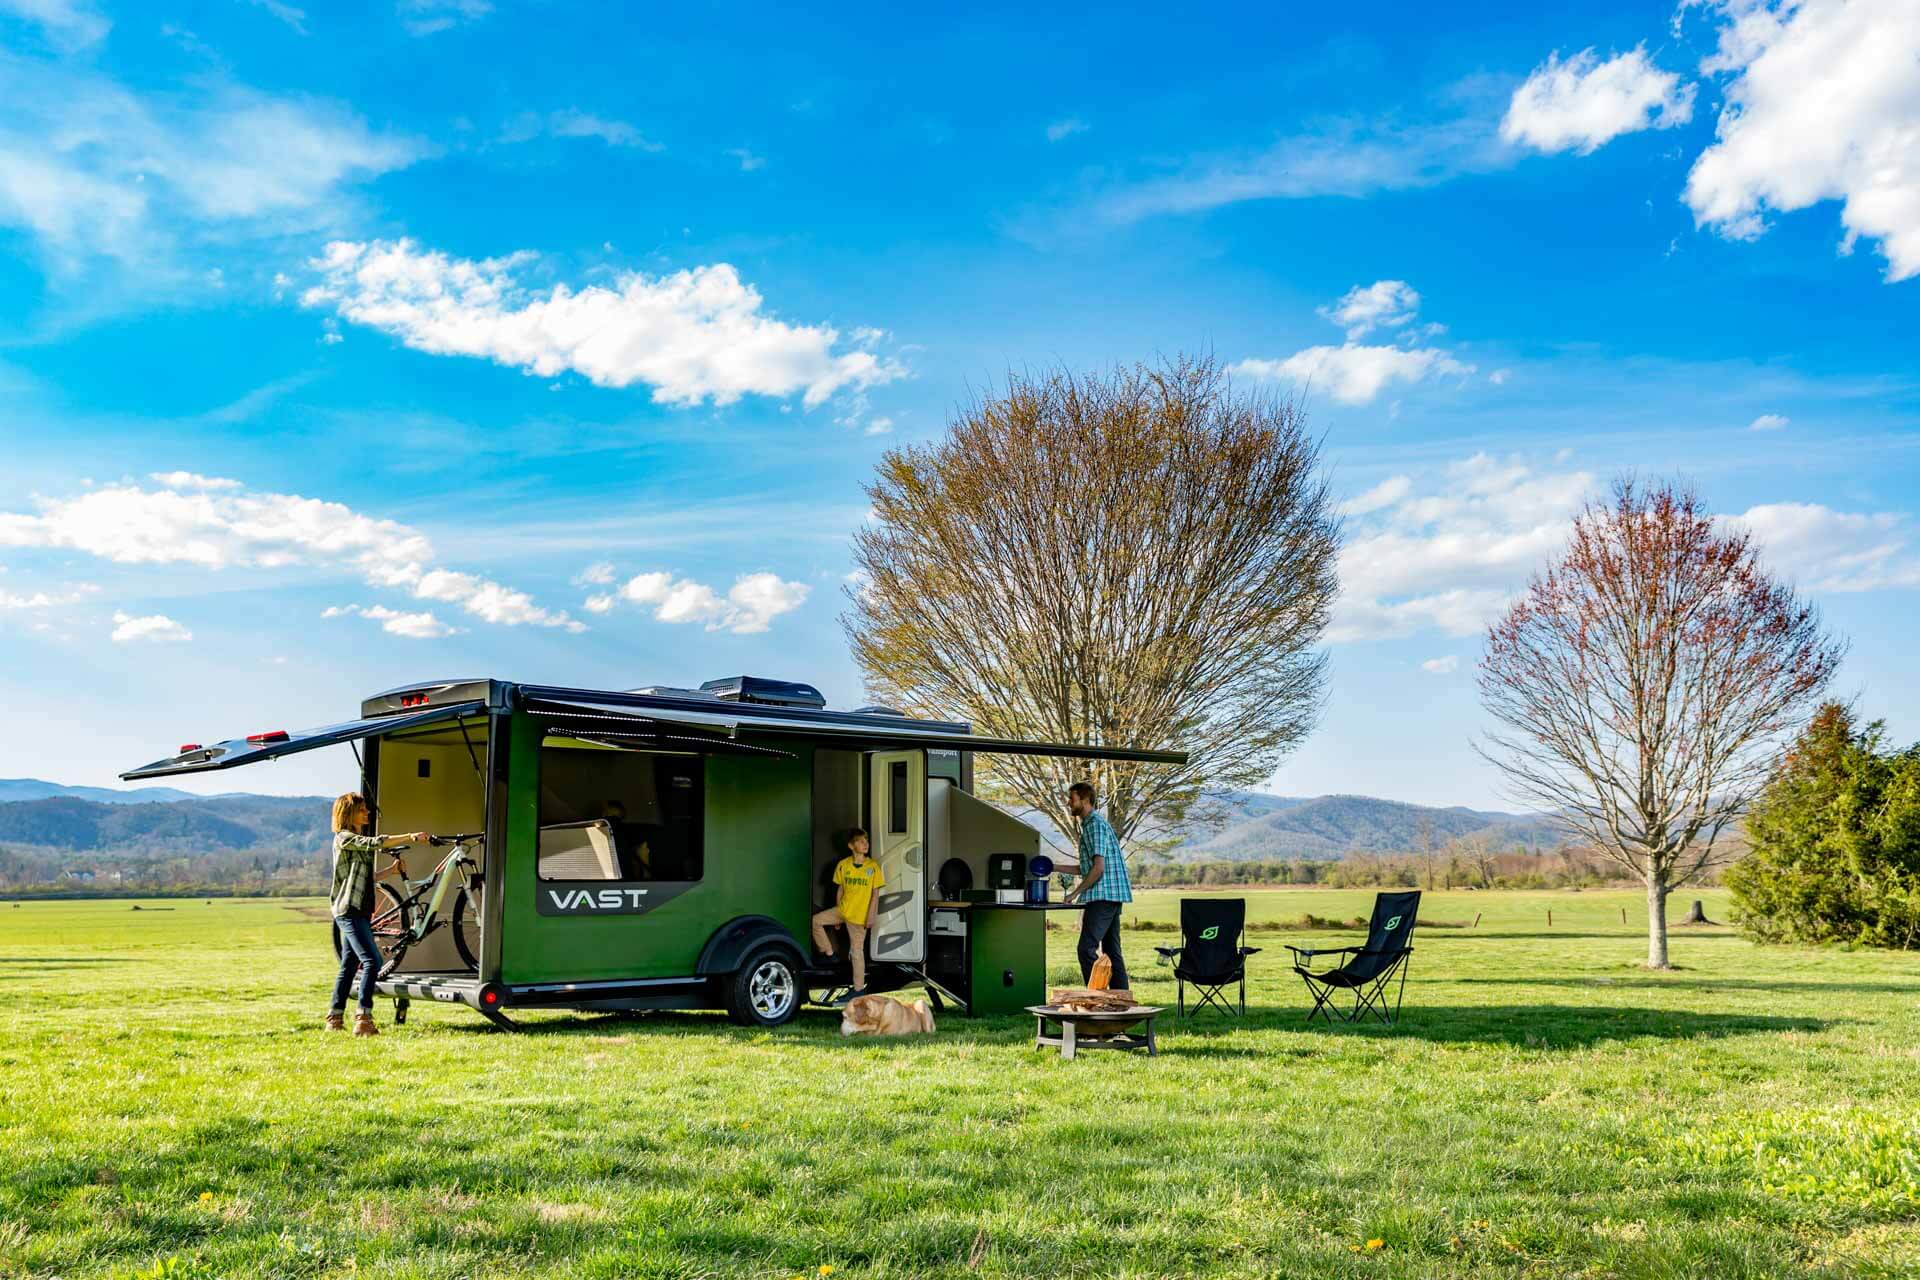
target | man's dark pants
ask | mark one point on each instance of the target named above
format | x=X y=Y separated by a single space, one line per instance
x=359 y=951
x=1100 y=931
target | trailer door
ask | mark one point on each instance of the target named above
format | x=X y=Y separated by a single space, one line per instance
x=897 y=822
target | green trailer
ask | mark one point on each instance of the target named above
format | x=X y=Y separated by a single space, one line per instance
x=666 y=848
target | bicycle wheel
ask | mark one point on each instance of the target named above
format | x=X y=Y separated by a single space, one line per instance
x=389 y=922
x=466 y=927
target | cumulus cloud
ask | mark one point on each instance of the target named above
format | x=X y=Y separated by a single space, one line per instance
x=1583 y=103
x=414 y=626
x=1451 y=549
x=754 y=600
x=693 y=336
x=218 y=529
x=94 y=171
x=1356 y=374
x=1061 y=130
x=1769 y=422
x=1834 y=551
x=1384 y=494
x=1384 y=304
x=191 y=480
x=1444 y=666
x=37 y=601
x=154 y=627
x=1822 y=102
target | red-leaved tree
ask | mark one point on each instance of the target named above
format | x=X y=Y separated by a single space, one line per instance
x=1643 y=683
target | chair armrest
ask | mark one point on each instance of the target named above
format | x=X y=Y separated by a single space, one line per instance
x=1169 y=952
x=1318 y=951
x=1249 y=951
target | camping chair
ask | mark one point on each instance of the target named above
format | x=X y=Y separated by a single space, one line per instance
x=1210 y=955
x=1371 y=967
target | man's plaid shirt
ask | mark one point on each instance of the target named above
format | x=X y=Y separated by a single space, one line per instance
x=353 y=873
x=1098 y=840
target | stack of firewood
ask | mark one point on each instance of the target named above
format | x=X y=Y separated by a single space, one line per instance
x=1087 y=1000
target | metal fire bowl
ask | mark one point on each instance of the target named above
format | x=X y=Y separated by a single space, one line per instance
x=1105 y=1024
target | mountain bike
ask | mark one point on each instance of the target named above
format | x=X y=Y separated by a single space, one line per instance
x=449 y=895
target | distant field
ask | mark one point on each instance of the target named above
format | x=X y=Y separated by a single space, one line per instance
x=1548 y=1109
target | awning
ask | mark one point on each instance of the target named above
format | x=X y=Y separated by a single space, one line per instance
x=871 y=733
x=270 y=746
x=638 y=733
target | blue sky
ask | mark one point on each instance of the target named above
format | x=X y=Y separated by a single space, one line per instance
x=347 y=345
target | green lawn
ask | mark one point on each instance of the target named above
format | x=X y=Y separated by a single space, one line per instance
x=1548 y=1108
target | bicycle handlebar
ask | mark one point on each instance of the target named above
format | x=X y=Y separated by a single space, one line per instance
x=468 y=838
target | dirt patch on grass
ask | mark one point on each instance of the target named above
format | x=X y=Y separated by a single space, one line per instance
x=312 y=913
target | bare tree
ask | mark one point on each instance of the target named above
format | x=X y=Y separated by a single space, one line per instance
x=1424 y=846
x=1642 y=682
x=1478 y=850
x=1144 y=558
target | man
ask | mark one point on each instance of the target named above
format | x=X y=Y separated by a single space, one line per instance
x=1103 y=886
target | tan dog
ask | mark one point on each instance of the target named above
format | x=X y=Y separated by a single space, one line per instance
x=883 y=1016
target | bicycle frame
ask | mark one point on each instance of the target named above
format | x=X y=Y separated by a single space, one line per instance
x=437 y=885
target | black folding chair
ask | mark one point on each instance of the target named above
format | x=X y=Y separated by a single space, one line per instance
x=1210 y=955
x=1370 y=968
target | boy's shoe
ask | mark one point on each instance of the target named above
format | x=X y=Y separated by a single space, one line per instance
x=336 y=1022
x=363 y=1025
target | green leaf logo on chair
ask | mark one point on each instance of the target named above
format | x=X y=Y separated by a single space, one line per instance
x=1209 y=933
x=1391 y=925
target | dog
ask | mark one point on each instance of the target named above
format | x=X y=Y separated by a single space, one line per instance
x=884 y=1016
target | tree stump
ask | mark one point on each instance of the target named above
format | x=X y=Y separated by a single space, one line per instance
x=1698 y=915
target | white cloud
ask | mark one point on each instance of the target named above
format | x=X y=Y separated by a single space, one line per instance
x=879 y=426
x=1500 y=377
x=754 y=600
x=68 y=24
x=1355 y=374
x=1347 y=159
x=1769 y=422
x=1444 y=666
x=225 y=529
x=1834 y=551
x=1451 y=549
x=96 y=172
x=156 y=627
x=598 y=574
x=1583 y=103
x=1384 y=494
x=427 y=17
x=1384 y=304
x=294 y=18
x=574 y=123
x=191 y=480
x=748 y=160
x=414 y=626
x=1823 y=103
x=693 y=336
x=598 y=604
x=11 y=602
x=1060 y=130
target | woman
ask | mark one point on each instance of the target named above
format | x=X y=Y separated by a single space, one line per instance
x=353 y=877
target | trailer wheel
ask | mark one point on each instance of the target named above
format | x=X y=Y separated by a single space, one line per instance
x=765 y=990
x=466 y=928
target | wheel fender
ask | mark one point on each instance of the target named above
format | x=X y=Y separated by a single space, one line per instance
x=732 y=941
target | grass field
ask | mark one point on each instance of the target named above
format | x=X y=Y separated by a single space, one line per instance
x=1547 y=1108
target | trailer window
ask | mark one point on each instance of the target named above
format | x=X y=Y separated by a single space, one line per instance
x=651 y=804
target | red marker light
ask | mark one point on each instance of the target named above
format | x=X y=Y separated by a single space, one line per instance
x=412 y=700
x=490 y=997
x=272 y=735
x=188 y=746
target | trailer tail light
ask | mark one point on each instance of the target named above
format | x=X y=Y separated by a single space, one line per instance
x=412 y=700
x=188 y=746
x=272 y=735
x=490 y=996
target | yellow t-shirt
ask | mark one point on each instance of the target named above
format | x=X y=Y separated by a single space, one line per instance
x=860 y=883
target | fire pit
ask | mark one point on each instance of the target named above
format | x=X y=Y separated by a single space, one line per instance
x=1094 y=1028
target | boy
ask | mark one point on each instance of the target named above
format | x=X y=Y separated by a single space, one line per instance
x=858 y=879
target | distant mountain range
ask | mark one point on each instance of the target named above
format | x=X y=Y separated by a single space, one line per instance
x=162 y=822
x=1329 y=827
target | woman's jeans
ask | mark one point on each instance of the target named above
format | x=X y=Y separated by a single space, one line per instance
x=357 y=952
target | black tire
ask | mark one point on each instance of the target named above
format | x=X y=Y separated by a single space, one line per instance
x=466 y=928
x=390 y=923
x=765 y=991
